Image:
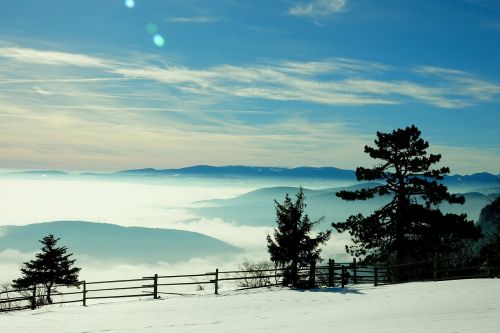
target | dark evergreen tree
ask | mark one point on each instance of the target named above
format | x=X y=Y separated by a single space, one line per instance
x=489 y=218
x=489 y=221
x=51 y=267
x=292 y=246
x=411 y=226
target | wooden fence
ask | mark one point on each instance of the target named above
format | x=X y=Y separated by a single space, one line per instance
x=331 y=275
x=430 y=270
x=154 y=286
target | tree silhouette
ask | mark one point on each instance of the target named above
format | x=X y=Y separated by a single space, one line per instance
x=293 y=246
x=489 y=220
x=410 y=226
x=51 y=267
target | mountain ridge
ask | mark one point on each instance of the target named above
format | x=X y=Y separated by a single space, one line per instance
x=478 y=179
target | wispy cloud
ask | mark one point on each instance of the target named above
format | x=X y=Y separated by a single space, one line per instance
x=432 y=70
x=465 y=88
x=339 y=65
x=44 y=57
x=330 y=82
x=172 y=75
x=63 y=80
x=288 y=81
x=193 y=19
x=335 y=81
x=66 y=137
x=318 y=8
x=42 y=91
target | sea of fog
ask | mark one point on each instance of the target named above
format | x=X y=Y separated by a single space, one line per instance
x=163 y=203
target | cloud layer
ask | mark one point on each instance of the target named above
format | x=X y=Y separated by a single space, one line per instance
x=125 y=112
x=335 y=81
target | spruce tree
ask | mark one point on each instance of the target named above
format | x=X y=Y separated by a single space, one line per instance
x=411 y=226
x=292 y=246
x=51 y=267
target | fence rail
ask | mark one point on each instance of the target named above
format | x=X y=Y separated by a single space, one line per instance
x=332 y=275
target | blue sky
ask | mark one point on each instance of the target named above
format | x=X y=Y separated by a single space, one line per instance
x=83 y=86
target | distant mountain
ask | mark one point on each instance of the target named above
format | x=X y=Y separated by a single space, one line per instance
x=483 y=181
x=113 y=242
x=477 y=180
x=38 y=173
x=257 y=207
x=247 y=171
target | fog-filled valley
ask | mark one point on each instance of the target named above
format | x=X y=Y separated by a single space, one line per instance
x=130 y=226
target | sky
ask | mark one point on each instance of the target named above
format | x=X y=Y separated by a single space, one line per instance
x=102 y=85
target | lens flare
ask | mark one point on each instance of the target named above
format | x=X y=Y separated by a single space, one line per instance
x=158 y=40
x=152 y=28
x=130 y=3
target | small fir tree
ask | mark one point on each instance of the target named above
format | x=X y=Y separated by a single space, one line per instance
x=52 y=266
x=293 y=246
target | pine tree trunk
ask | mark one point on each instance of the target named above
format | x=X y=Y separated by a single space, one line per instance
x=400 y=221
x=294 y=276
x=49 y=291
x=399 y=250
x=312 y=275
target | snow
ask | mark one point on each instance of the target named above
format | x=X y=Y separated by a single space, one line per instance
x=447 y=306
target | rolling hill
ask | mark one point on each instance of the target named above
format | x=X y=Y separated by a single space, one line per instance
x=256 y=208
x=113 y=242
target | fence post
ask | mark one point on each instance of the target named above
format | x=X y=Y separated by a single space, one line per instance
x=33 y=299
x=84 y=292
x=435 y=267
x=355 y=271
x=216 y=281
x=488 y=265
x=343 y=276
x=312 y=275
x=331 y=272
x=375 y=279
x=155 y=286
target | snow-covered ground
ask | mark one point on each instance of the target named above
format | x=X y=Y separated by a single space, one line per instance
x=448 y=306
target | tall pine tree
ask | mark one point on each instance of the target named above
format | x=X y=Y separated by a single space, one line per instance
x=292 y=246
x=411 y=226
x=51 y=267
